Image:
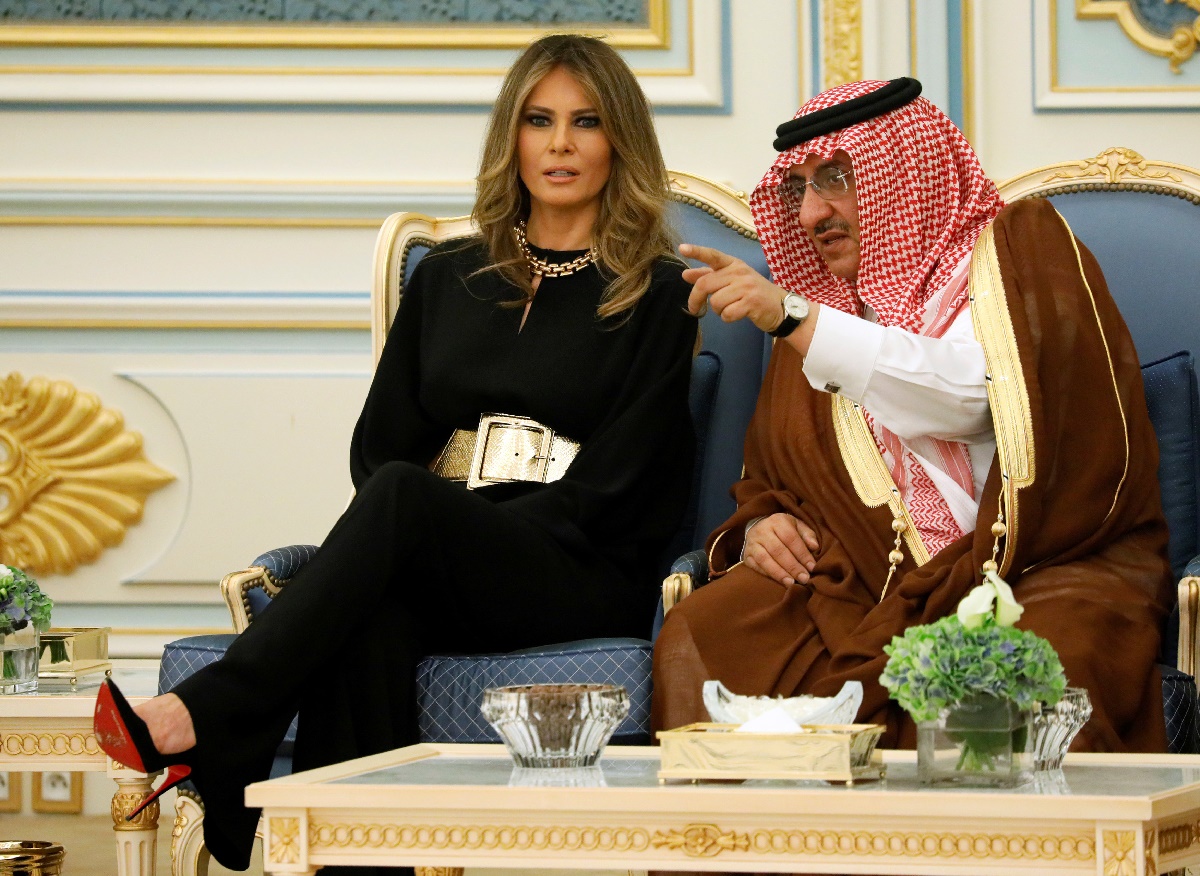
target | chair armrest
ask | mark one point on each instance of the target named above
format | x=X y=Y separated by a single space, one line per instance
x=1188 y=659
x=270 y=572
x=687 y=573
x=694 y=563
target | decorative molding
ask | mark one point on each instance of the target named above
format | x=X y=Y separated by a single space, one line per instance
x=284 y=841
x=187 y=310
x=842 y=42
x=1177 y=48
x=72 y=478
x=687 y=74
x=504 y=837
x=372 y=28
x=189 y=855
x=1150 y=850
x=1120 y=853
x=1116 y=168
x=124 y=802
x=708 y=840
x=702 y=841
x=225 y=203
x=1115 y=164
x=1179 y=838
x=41 y=745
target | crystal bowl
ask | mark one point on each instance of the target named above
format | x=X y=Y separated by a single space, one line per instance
x=1054 y=728
x=555 y=725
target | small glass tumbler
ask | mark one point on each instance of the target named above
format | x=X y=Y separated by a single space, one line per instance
x=1054 y=728
x=555 y=725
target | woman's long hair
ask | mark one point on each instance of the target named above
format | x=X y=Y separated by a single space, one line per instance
x=631 y=231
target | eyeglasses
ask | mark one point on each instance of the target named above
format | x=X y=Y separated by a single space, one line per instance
x=830 y=182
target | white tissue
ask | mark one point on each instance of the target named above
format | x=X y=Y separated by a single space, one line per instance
x=725 y=707
x=777 y=720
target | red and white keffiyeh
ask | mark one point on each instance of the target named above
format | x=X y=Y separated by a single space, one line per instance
x=923 y=201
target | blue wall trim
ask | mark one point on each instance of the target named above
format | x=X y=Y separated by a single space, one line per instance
x=816 y=84
x=954 y=60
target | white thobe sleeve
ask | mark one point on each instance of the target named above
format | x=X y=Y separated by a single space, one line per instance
x=914 y=385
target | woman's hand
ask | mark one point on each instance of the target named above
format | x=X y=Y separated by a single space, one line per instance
x=781 y=547
x=733 y=288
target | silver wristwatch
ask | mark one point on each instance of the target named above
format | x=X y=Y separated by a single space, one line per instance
x=795 y=310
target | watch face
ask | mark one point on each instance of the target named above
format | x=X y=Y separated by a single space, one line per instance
x=795 y=306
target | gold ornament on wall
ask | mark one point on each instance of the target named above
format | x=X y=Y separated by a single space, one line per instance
x=1177 y=48
x=843 y=50
x=72 y=478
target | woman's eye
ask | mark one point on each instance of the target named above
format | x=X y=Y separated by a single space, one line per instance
x=588 y=121
x=538 y=121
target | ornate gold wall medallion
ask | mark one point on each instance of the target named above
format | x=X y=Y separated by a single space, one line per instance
x=1176 y=42
x=72 y=478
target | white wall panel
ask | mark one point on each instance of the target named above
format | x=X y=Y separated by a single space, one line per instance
x=258 y=446
x=185 y=215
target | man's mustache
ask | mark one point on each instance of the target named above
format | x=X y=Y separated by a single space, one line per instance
x=833 y=223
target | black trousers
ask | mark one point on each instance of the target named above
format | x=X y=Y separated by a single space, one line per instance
x=415 y=566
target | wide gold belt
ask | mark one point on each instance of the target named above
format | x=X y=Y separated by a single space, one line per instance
x=503 y=449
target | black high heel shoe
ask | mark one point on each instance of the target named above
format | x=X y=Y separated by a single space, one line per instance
x=125 y=738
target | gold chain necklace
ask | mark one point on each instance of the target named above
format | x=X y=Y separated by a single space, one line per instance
x=541 y=267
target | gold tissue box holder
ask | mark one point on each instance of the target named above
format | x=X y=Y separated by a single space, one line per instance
x=73 y=657
x=831 y=752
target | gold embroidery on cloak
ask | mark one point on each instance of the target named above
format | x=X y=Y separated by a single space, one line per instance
x=1007 y=393
x=869 y=473
x=1111 y=371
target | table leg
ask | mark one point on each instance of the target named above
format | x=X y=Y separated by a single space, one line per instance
x=137 y=840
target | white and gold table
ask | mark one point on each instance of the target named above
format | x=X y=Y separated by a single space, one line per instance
x=450 y=806
x=52 y=730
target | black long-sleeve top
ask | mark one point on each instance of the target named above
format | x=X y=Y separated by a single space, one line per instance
x=619 y=388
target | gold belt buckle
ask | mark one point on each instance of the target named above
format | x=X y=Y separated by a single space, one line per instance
x=498 y=457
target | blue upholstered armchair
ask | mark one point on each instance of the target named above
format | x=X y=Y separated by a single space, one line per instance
x=725 y=380
x=1141 y=220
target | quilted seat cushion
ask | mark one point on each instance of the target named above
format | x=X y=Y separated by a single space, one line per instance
x=450 y=688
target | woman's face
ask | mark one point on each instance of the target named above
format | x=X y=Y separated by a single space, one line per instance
x=564 y=155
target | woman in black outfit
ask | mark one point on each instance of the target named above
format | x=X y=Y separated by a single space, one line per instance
x=568 y=309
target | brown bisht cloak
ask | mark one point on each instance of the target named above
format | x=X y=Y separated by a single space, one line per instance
x=1075 y=476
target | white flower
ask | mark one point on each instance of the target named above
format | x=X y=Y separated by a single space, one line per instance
x=977 y=604
x=1008 y=610
x=5 y=573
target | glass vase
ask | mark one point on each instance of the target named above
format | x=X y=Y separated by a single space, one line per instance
x=19 y=663
x=978 y=742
